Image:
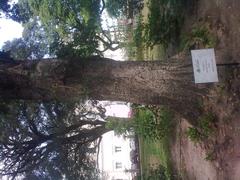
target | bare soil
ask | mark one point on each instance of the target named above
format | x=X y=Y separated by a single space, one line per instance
x=222 y=148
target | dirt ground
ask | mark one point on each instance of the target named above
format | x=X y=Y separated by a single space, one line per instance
x=224 y=100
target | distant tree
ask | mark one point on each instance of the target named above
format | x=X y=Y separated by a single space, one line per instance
x=4 y=6
x=116 y=8
x=123 y=8
x=34 y=44
x=77 y=24
x=18 y=49
x=16 y=11
x=50 y=141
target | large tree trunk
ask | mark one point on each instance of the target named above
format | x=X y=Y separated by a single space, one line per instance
x=160 y=83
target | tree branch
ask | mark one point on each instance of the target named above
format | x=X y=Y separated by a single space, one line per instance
x=103 y=6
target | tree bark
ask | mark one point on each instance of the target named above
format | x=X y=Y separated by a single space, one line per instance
x=161 y=83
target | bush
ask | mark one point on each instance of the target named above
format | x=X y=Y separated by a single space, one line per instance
x=120 y=127
x=194 y=135
x=204 y=129
x=146 y=123
x=138 y=32
x=158 y=173
x=200 y=36
x=206 y=124
x=152 y=125
x=164 y=21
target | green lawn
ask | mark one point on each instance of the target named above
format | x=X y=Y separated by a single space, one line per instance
x=153 y=153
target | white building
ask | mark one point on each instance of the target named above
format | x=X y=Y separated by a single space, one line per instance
x=114 y=156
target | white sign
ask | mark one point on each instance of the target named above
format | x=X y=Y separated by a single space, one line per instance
x=204 y=66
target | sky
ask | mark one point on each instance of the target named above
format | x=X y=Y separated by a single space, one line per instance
x=9 y=30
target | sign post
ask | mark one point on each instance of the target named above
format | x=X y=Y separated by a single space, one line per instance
x=204 y=66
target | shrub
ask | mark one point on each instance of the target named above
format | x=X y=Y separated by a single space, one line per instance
x=146 y=123
x=204 y=129
x=164 y=21
x=194 y=135
x=121 y=127
x=155 y=174
x=152 y=125
x=199 y=36
x=206 y=124
x=138 y=32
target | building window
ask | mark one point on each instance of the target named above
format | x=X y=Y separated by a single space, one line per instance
x=118 y=165
x=118 y=149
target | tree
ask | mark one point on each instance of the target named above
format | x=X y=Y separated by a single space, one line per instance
x=116 y=8
x=4 y=6
x=77 y=24
x=34 y=44
x=17 y=11
x=50 y=140
x=164 y=83
x=123 y=8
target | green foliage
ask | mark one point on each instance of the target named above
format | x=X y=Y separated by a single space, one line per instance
x=116 y=8
x=206 y=123
x=123 y=8
x=200 y=36
x=194 y=135
x=158 y=173
x=119 y=126
x=162 y=26
x=146 y=123
x=50 y=140
x=204 y=129
x=4 y=6
x=134 y=46
x=17 y=12
x=130 y=50
x=76 y=25
x=152 y=125
x=164 y=21
x=138 y=32
x=33 y=44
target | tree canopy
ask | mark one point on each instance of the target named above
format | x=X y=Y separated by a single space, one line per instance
x=76 y=26
x=35 y=43
x=116 y=8
x=51 y=140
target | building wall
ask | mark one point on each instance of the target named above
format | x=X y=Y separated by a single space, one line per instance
x=114 y=157
x=113 y=164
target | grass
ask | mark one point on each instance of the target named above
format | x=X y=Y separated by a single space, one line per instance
x=153 y=153
x=158 y=25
